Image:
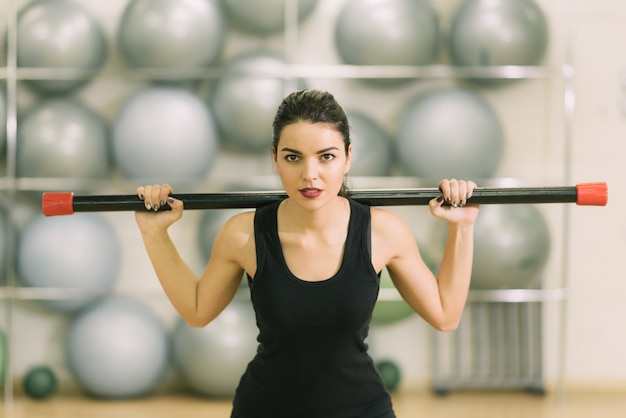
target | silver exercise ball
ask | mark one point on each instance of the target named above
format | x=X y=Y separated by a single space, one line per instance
x=117 y=348
x=263 y=17
x=245 y=99
x=498 y=33
x=387 y=32
x=3 y=119
x=5 y=232
x=371 y=147
x=80 y=252
x=163 y=134
x=449 y=132
x=59 y=34
x=171 y=33
x=212 y=359
x=512 y=246
x=61 y=137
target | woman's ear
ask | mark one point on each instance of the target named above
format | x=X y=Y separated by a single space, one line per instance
x=348 y=159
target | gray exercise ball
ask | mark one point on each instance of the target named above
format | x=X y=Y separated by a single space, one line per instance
x=3 y=119
x=171 y=33
x=512 y=246
x=387 y=32
x=79 y=252
x=163 y=134
x=61 y=137
x=449 y=132
x=371 y=146
x=211 y=359
x=6 y=231
x=263 y=17
x=245 y=99
x=498 y=33
x=117 y=348
x=59 y=34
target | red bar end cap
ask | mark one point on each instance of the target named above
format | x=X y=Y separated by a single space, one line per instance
x=57 y=203
x=592 y=194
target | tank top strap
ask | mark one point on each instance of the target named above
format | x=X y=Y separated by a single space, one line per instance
x=361 y=225
x=265 y=227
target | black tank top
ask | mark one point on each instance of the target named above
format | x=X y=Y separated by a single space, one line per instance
x=312 y=359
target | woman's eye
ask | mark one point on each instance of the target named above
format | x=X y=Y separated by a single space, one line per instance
x=327 y=157
x=291 y=158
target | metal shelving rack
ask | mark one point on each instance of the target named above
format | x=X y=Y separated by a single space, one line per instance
x=11 y=185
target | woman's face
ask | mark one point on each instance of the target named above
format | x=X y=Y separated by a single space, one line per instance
x=311 y=160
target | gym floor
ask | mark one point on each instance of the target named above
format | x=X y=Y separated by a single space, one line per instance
x=408 y=404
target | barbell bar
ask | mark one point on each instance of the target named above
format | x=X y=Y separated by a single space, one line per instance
x=583 y=194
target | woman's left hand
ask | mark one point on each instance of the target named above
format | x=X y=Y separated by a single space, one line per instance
x=456 y=195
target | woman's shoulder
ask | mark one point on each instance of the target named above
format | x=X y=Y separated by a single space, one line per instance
x=387 y=221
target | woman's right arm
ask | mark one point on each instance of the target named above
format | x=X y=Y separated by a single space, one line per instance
x=197 y=300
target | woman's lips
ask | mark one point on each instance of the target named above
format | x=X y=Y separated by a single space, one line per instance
x=310 y=193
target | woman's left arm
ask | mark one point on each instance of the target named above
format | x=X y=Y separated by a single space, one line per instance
x=439 y=300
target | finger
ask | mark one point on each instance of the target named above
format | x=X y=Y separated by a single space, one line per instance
x=147 y=199
x=140 y=192
x=444 y=186
x=155 y=196
x=470 y=188
x=166 y=190
x=454 y=193
x=462 y=193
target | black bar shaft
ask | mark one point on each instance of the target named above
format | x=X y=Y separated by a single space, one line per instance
x=398 y=197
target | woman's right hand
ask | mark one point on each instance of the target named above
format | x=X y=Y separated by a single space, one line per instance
x=154 y=197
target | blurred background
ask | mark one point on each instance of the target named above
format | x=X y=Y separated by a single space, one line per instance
x=99 y=97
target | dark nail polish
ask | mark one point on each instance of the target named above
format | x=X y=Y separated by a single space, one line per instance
x=170 y=199
x=440 y=199
x=162 y=203
x=141 y=196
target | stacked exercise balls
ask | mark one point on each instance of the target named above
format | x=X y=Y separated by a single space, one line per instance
x=498 y=33
x=80 y=252
x=211 y=360
x=371 y=146
x=61 y=137
x=387 y=32
x=171 y=33
x=449 y=132
x=40 y=382
x=263 y=17
x=512 y=247
x=164 y=134
x=117 y=348
x=250 y=89
x=59 y=34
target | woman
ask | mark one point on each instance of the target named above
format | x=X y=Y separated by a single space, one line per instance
x=313 y=262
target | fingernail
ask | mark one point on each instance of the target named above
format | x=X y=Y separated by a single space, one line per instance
x=440 y=199
x=162 y=203
x=454 y=205
x=156 y=207
x=141 y=196
x=170 y=199
x=148 y=205
x=448 y=199
x=462 y=203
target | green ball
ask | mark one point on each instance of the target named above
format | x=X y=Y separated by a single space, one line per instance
x=40 y=382
x=389 y=311
x=390 y=373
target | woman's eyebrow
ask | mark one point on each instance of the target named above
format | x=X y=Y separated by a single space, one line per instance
x=322 y=151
